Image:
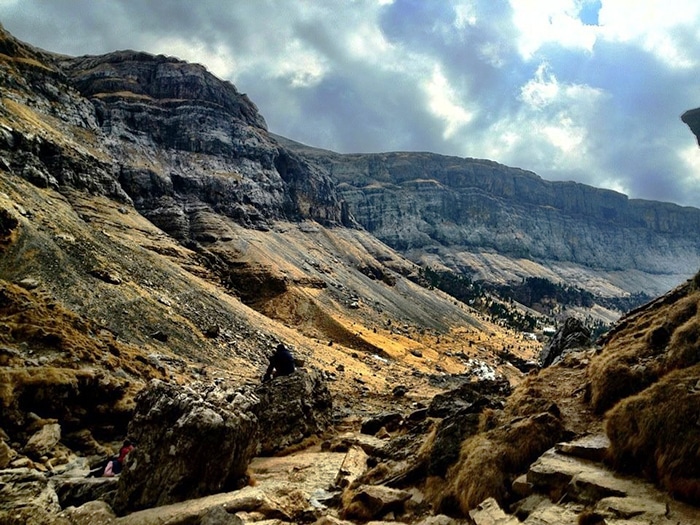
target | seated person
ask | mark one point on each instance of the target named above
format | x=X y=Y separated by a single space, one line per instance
x=281 y=363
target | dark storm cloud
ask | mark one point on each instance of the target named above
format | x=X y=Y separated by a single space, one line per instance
x=541 y=88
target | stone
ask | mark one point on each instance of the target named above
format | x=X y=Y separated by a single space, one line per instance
x=90 y=513
x=632 y=507
x=418 y=415
x=29 y=283
x=186 y=448
x=6 y=454
x=580 y=480
x=330 y=520
x=216 y=516
x=372 y=445
x=548 y=513
x=439 y=519
x=572 y=334
x=374 y=501
x=247 y=500
x=489 y=512
x=526 y=506
x=389 y=420
x=292 y=408
x=472 y=397
x=78 y=491
x=353 y=466
x=399 y=391
x=593 y=447
x=521 y=487
x=27 y=496
x=43 y=441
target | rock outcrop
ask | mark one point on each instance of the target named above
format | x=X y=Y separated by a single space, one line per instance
x=572 y=334
x=292 y=408
x=186 y=448
x=27 y=496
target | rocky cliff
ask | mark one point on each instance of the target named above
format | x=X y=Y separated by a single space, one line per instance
x=163 y=134
x=460 y=209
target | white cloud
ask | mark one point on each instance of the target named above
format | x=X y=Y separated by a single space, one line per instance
x=656 y=25
x=218 y=60
x=301 y=66
x=541 y=22
x=465 y=15
x=690 y=156
x=444 y=103
x=541 y=90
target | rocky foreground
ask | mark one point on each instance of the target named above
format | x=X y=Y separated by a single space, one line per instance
x=482 y=453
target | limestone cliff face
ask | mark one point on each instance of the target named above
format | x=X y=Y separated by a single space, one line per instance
x=179 y=143
x=427 y=202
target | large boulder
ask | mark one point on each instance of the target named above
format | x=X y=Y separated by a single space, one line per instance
x=573 y=334
x=292 y=408
x=186 y=447
x=43 y=440
x=368 y=502
x=27 y=497
x=460 y=411
x=472 y=397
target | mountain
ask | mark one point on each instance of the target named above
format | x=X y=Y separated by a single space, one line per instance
x=145 y=197
x=503 y=224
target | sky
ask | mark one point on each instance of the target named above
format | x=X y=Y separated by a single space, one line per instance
x=584 y=90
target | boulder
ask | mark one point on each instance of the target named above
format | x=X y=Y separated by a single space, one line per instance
x=73 y=492
x=292 y=408
x=389 y=420
x=489 y=512
x=593 y=447
x=90 y=513
x=473 y=397
x=26 y=496
x=43 y=441
x=195 y=511
x=186 y=448
x=374 y=501
x=573 y=334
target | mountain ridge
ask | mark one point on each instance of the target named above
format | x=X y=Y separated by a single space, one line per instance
x=473 y=216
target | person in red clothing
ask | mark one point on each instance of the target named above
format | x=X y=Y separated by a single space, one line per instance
x=116 y=465
x=126 y=448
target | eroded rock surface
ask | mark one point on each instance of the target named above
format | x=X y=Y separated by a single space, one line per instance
x=292 y=408
x=186 y=448
x=573 y=334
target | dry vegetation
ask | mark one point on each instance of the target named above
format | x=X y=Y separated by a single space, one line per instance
x=648 y=376
x=657 y=433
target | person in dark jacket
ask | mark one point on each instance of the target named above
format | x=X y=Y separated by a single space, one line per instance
x=281 y=363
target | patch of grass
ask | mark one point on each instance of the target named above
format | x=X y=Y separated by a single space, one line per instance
x=490 y=461
x=657 y=433
x=653 y=343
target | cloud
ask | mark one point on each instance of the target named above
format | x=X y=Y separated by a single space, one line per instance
x=587 y=90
